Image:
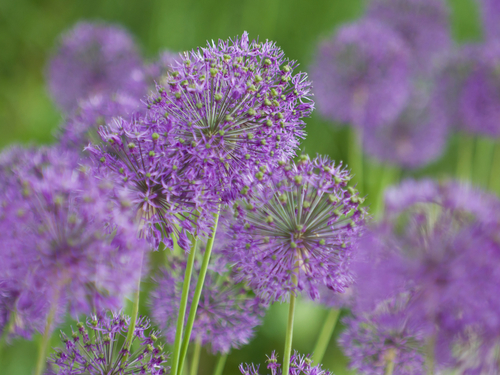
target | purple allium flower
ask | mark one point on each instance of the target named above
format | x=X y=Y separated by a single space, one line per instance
x=490 y=10
x=422 y=24
x=416 y=137
x=362 y=75
x=82 y=127
x=299 y=365
x=373 y=340
x=66 y=237
x=227 y=313
x=479 y=102
x=231 y=107
x=95 y=58
x=167 y=201
x=103 y=351
x=298 y=232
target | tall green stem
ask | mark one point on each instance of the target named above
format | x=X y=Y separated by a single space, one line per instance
x=494 y=181
x=182 y=309
x=9 y=327
x=42 y=350
x=197 y=295
x=355 y=157
x=325 y=335
x=465 y=153
x=289 y=335
x=196 y=356
x=390 y=358
x=483 y=157
x=221 y=362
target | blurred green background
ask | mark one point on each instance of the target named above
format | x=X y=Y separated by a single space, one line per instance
x=29 y=29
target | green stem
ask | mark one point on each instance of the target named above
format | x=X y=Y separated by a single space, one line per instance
x=182 y=309
x=289 y=335
x=431 y=346
x=390 y=358
x=221 y=362
x=465 y=153
x=389 y=368
x=8 y=328
x=196 y=356
x=42 y=350
x=355 y=156
x=388 y=175
x=494 y=182
x=197 y=295
x=325 y=335
x=483 y=158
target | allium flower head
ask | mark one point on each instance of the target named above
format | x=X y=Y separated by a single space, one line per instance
x=416 y=137
x=423 y=25
x=299 y=231
x=374 y=339
x=299 y=365
x=102 y=350
x=66 y=238
x=94 y=58
x=490 y=9
x=231 y=107
x=227 y=313
x=140 y=159
x=361 y=75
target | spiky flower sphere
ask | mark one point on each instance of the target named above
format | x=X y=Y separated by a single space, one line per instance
x=298 y=231
x=384 y=338
x=66 y=237
x=416 y=137
x=103 y=350
x=167 y=201
x=231 y=107
x=361 y=75
x=227 y=313
x=95 y=58
x=422 y=24
x=299 y=365
x=81 y=128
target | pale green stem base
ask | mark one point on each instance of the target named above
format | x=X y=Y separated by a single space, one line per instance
x=482 y=160
x=197 y=295
x=182 y=309
x=430 y=358
x=9 y=327
x=221 y=363
x=42 y=350
x=325 y=336
x=389 y=368
x=465 y=154
x=355 y=156
x=196 y=356
x=494 y=182
x=389 y=175
x=289 y=335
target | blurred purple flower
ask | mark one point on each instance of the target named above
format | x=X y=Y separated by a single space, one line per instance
x=362 y=75
x=297 y=232
x=490 y=10
x=95 y=58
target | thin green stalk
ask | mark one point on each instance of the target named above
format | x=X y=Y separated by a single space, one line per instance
x=196 y=356
x=289 y=335
x=389 y=174
x=465 y=152
x=182 y=309
x=483 y=157
x=197 y=295
x=134 y=313
x=430 y=358
x=9 y=327
x=390 y=358
x=494 y=182
x=42 y=350
x=325 y=335
x=221 y=362
x=355 y=157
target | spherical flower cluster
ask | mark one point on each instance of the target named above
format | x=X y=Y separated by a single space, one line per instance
x=423 y=24
x=65 y=240
x=298 y=231
x=167 y=200
x=299 y=365
x=231 y=107
x=414 y=138
x=103 y=351
x=439 y=243
x=227 y=313
x=362 y=75
x=95 y=58
x=82 y=127
x=381 y=339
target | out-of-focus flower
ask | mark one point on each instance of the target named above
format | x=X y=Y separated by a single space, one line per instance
x=102 y=351
x=298 y=231
x=362 y=75
x=490 y=9
x=230 y=108
x=226 y=316
x=299 y=365
x=95 y=58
